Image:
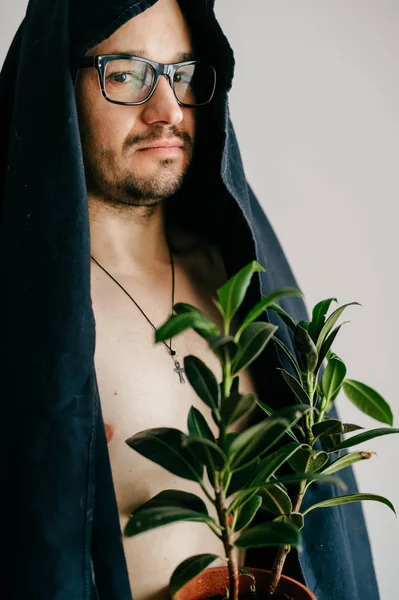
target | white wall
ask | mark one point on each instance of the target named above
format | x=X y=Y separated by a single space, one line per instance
x=316 y=108
x=11 y=15
x=315 y=104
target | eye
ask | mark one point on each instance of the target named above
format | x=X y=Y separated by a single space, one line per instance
x=120 y=77
x=182 y=77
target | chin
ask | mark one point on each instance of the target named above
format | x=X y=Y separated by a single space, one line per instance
x=154 y=187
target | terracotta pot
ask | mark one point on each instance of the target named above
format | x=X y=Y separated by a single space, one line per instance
x=213 y=581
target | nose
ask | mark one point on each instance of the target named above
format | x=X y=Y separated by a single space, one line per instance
x=162 y=106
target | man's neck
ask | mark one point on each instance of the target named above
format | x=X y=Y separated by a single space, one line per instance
x=130 y=239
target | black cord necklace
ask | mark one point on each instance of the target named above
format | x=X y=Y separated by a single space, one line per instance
x=179 y=370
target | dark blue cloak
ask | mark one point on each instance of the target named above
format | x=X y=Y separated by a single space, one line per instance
x=60 y=529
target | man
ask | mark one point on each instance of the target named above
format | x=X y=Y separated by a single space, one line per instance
x=120 y=188
x=136 y=157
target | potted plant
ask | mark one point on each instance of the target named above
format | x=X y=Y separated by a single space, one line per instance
x=243 y=468
x=322 y=436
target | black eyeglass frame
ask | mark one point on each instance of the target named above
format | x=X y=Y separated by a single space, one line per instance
x=100 y=62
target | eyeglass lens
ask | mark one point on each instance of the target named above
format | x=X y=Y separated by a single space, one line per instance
x=130 y=80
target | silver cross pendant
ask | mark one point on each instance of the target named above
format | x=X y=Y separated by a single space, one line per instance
x=179 y=370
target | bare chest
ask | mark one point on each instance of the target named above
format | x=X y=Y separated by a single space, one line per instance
x=138 y=385
x=139 y=390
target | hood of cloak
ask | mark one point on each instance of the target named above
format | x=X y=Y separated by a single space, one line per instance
x=60 y=522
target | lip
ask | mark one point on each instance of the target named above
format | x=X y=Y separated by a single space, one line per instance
x=163 y=144
x=170 y=152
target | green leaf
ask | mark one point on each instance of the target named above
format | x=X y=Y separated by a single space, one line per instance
x=307 y=460
x=267 y=409
x=207 y=452
x=350 y=498
x=276 y=500
x=247 y=513
x=177 y=324
x=232 y=293
x=346 y=461
x=197 y=425
x=269 y=465
x=295 y=518
x=327 y=427
x=202 y=380
x=294 y=413
x=220 y=344
x=163 y=446
x=333 y=376
x=364 y=437
x=188 y=569
x=306 y=347
x=316 y=461
x=235 y=406
x=176 y=498
x=329 y=324
x=265 y=469
x=204 y=327
x=299 y=460
x=326 y=345
x=180 y=308
x=368 y=401
x=252 y=342
x=229 y=439
x=240 y=478
x=291 y=358
x=299 y=478
x=296 y=387
x=255 y=440
x=158 y=517
x=330 y=441
x=349 y=427
x=285 y=317
x=263 y=304
x=269 y=534
x=319 y=317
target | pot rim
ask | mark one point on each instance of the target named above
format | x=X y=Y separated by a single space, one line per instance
x=254 y=570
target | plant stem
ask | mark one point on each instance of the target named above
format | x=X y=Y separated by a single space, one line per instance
x=226 y=389
x=283 y=551
x=277 y=568
x=225 y=518
x=227 y=381
x=299 y=498
x=227 y=539
x=310 y=385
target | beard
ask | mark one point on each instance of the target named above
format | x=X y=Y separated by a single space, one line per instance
x=120 y=186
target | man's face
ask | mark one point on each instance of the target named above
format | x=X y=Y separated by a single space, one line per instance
x=117 y=170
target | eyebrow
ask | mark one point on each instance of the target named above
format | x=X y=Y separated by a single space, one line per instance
x=180 y=56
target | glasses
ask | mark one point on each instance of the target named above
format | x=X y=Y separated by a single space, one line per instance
x=132 y=80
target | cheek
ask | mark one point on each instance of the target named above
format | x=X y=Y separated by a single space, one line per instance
x=109 y=126
x=113 y=124
x=103 y=123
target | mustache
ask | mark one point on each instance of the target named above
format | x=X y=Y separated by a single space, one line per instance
x=159 y=133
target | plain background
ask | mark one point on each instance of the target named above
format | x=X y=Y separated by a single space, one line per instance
x=315 y=104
